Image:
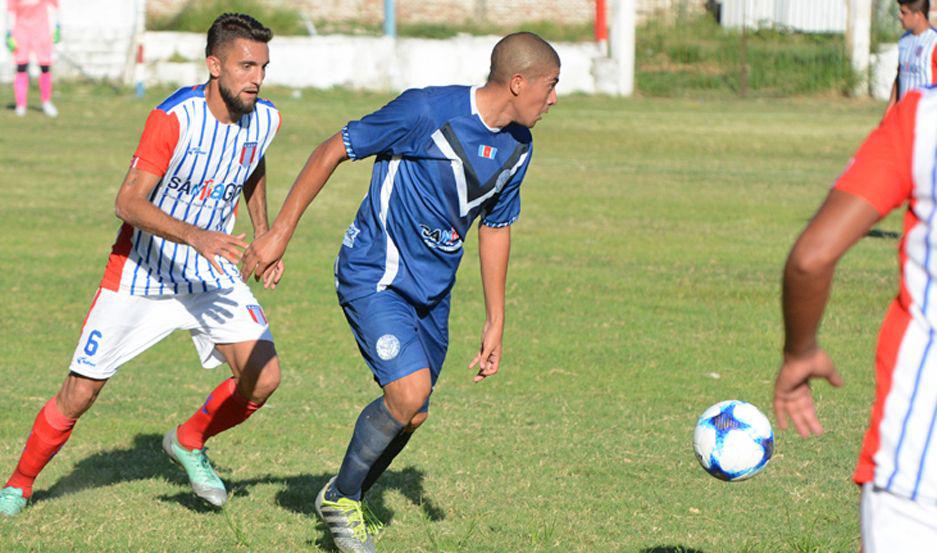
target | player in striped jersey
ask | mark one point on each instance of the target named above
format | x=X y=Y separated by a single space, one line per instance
x=917 y=62
x=173 y=266
x=897 y=466
x=444 y=157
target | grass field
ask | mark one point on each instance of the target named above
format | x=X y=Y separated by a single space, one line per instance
x=643 y=287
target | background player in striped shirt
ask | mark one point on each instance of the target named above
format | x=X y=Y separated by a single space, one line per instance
x=29 y=32
x=917 y=64
x=173 y=266
x=444 y=156
x=897 y=466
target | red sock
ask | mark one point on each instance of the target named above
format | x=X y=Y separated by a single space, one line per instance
x=224 y=408
x=50 y=432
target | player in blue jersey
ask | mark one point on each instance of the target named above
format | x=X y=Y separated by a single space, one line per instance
x=444 y=156
x=174 y=264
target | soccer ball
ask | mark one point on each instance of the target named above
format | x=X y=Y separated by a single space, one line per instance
x=733 y=440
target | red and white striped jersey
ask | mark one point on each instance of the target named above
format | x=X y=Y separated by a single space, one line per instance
x=897 y=164
x=203 y=164
x=917 y=64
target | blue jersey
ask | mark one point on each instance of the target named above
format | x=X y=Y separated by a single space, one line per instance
x=438 y=166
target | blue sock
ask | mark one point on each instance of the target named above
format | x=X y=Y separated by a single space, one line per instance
x=379 y=466
x=374 y=431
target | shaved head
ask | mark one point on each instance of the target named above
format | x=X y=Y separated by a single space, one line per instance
x=522 y=53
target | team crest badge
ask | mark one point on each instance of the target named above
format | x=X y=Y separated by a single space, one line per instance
x=248 y=151
x=487 y=152
x=257 y=314
x=387 y=347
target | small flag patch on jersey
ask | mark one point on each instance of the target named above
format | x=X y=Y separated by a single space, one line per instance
x=247 y=154
x=257 y=314
x=487 y=152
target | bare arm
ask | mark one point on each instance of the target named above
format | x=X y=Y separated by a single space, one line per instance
x=893 y=97
x=134 y=207
x=255 y=194
x=269 y=248
x=494 y=249
x=808 y=275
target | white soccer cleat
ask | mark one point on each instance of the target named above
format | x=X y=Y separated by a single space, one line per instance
x=49 y=109
x=21 y=111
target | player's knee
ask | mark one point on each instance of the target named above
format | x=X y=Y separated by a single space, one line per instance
x=77 y=395
x=410 y=401
x=45 y=68
x=22 y=67
x=407 y=396
x=417 y=420
x=267 y=381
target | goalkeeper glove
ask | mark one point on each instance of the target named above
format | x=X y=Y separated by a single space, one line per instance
x=57 y=34
x=11 y=42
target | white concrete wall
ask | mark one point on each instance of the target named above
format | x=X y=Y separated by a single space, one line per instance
x=365 y=63
x=884 y=69
x=809 y=16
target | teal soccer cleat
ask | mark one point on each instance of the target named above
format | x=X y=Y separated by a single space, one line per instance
x=11 y=501
x=203 y=478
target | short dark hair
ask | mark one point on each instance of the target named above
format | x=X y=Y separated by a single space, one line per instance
x=922 y=6
x=229 y=26
x=521 y=52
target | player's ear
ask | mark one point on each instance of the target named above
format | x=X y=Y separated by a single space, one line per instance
x=516 y=84
x=214 y=66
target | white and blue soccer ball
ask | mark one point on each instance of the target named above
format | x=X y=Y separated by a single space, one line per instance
x=733 y=440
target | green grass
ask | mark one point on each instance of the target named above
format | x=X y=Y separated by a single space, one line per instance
x=197 y=17
x=647 y=257
x=697 y=56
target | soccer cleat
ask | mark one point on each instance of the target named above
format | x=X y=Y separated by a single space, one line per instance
x=49 y=109
x=203 y=478
x=21 y=111
x=11 y=501
x=345 y=520
x=371 y=520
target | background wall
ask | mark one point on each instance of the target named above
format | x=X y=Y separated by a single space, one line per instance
x=362 y=62
x=411 y=11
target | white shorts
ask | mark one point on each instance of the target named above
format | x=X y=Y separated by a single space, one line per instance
x=120 y=326
x=891 y=523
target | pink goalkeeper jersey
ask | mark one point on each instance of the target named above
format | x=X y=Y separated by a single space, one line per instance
x=203 y=165
x=897 y=165
x=32 y=16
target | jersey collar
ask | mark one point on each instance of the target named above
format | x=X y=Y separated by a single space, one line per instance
x=474 y=105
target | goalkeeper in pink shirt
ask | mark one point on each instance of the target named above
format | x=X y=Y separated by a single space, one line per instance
x=29 y=32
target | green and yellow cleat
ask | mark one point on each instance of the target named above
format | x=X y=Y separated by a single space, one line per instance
x=345 y=520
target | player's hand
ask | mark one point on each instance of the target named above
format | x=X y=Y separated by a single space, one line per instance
x=11 y=42
x=211 y=244
x=792 y=395
x=57 y=34
x=262 y=255
x=273 y=274
x=488 y=359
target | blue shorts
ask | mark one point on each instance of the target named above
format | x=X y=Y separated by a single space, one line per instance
x=397 y=338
